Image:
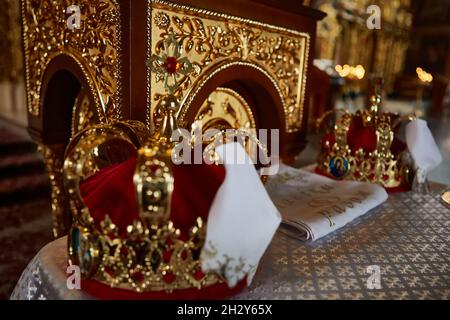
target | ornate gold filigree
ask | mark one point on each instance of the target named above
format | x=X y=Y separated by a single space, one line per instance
x=169 y=65
x=83 y=114
x=95 y=47
x=212 y=39
x=221 y=68
x=53 y=161
x=162 y=20
x=145 y=259
x=224 y=109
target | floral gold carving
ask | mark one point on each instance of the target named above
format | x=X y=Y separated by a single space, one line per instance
x=94 y=46
x=225 y=107
x=211 y=39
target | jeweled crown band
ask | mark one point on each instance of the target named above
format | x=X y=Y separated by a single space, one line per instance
x=375 y=162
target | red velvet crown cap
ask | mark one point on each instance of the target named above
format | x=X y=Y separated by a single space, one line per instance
x=363 y=137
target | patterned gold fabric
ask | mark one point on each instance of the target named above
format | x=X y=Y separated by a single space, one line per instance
x=408 y=238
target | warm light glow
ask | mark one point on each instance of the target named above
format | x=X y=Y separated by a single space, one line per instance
x=350 y=72
x=423 y=75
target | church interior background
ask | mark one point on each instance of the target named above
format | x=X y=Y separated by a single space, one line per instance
x=410 y=52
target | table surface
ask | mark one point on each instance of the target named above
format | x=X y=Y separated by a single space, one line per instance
x=407 y=238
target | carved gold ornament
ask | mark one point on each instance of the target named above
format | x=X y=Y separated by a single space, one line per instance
x=169 y=65
x=53 y=163
x=158 y=261
x=95 y=47
x=225 y=109
x=211 y=40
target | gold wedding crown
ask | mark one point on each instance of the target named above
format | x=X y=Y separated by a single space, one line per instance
x=148 y=255
x=364 y=146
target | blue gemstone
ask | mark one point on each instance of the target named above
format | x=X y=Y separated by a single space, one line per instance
x=75 y=240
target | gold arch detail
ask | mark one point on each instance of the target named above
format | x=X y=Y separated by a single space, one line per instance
x=211 y=39
x=96 y=43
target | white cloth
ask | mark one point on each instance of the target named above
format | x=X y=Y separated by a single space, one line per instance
x=313 y=206
x=422 y=147
x=242 y=219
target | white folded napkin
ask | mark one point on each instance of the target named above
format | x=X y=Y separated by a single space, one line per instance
x=313 y=206
x=242 y=219
x=423 y=148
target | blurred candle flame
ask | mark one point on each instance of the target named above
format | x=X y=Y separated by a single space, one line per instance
x=423 y=75
x=351 y=72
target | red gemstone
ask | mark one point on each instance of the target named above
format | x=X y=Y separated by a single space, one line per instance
x=138 y=276
x=124 y=251
x=199 y=275
x=169 y=277
x=184 y=255
x=171 y=64
x=155 y=167
x=110 y=270
x=166 y=256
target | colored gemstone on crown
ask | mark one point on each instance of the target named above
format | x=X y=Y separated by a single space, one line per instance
x=169 y=277
x=199 y=275
x=138 y=277
x=75 y=240
x=171 y=65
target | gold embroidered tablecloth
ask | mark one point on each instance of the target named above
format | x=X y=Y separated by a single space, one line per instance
x=407 y=239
